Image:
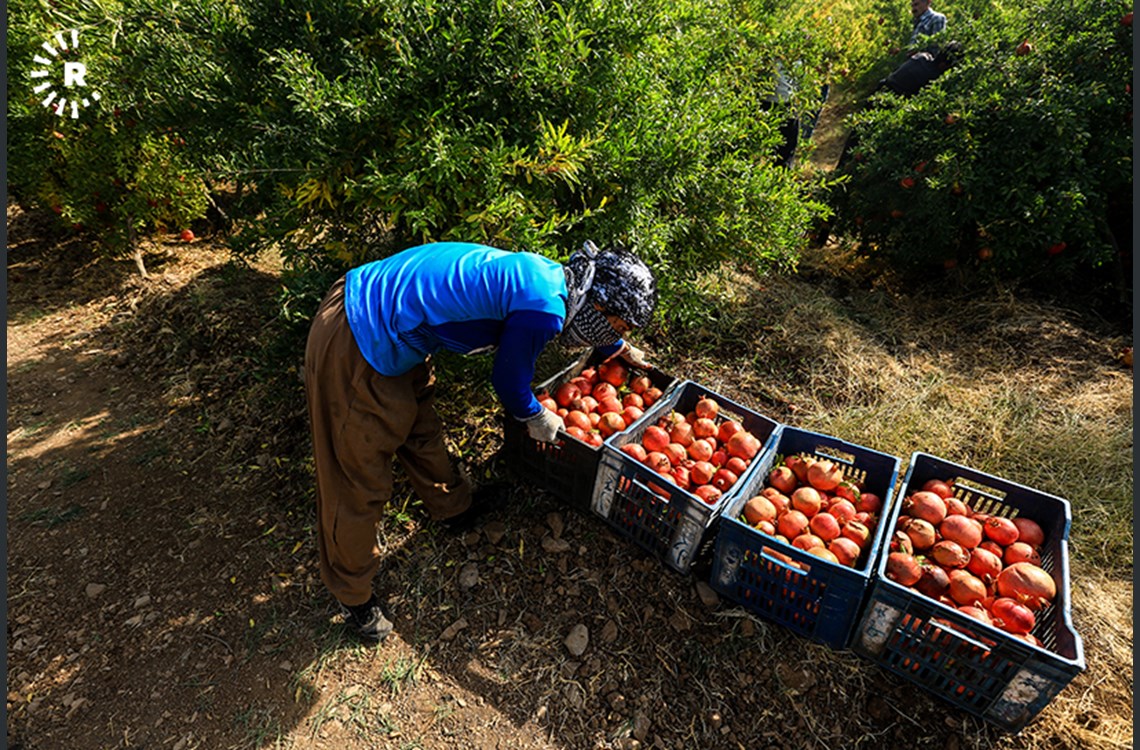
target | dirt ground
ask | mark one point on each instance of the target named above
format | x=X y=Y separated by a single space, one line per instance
x=163 y=593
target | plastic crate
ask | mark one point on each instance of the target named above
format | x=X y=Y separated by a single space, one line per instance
x=815 y=598
x=978 y=668
x=566 y=469
x=668 y=522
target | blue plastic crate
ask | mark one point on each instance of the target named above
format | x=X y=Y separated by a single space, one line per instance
x=976 y=667
x=666 y=521
x=815 y=598
x=568 y=468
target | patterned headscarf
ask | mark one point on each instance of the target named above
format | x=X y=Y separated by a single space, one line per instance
x=618 y=281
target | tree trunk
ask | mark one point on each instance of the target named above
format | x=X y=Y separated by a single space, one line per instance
x=1117 y=265
x=136 y=248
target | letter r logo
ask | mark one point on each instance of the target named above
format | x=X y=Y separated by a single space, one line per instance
x=73 y=73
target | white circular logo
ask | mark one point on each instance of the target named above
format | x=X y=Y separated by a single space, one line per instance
x=70 y=76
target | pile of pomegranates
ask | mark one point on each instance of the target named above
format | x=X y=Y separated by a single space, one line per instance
x=703 y=451
x=809 y=503
x=600 y=401
x=985 y=566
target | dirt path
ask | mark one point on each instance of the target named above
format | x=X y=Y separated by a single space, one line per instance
x=130 y=605
x=830 y=135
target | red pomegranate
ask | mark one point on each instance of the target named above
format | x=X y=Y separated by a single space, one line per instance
x=966 y=588
x=1028 y=584
x=903 y=569
x=927 y=506
x=1021 y=552
x=965 y=531
x=1029 y=531
x=1012 y=616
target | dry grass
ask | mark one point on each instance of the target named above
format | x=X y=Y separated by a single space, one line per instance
x=1006 y=385
x=1096 y=710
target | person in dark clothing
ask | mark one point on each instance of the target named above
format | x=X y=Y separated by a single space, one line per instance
x=792 y=129
x=920 y=69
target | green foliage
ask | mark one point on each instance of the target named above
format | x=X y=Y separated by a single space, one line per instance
x=1018 y=161
x=353 y=129
x=854 y=35
x=138 y=159
x=524 y=125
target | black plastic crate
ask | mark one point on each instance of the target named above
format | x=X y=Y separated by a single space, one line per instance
x=666 y=521
x=815 y=598
x=566 y=469
x=977 y=667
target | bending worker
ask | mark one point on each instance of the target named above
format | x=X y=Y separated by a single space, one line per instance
x=370 y=387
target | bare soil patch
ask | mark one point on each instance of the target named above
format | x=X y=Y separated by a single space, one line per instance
x=162 y=586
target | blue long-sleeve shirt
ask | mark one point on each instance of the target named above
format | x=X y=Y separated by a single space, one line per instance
x=465 y=298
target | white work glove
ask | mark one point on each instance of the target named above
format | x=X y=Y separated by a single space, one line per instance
x=634 y=356
x=544 y=426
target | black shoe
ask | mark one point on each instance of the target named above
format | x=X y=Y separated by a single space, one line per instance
x=368 y=621
x=483 y=501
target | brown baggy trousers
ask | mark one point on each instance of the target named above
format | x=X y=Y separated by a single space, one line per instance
x=360 y=419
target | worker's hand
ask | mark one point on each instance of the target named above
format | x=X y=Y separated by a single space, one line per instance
x=544 y=426
x=634 y=356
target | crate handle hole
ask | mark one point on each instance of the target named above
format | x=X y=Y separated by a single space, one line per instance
x=830 y=452
x=954 y=628
x=783 y=560
x=978 y=488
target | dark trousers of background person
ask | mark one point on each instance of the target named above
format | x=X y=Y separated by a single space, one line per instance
x=793 y=129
